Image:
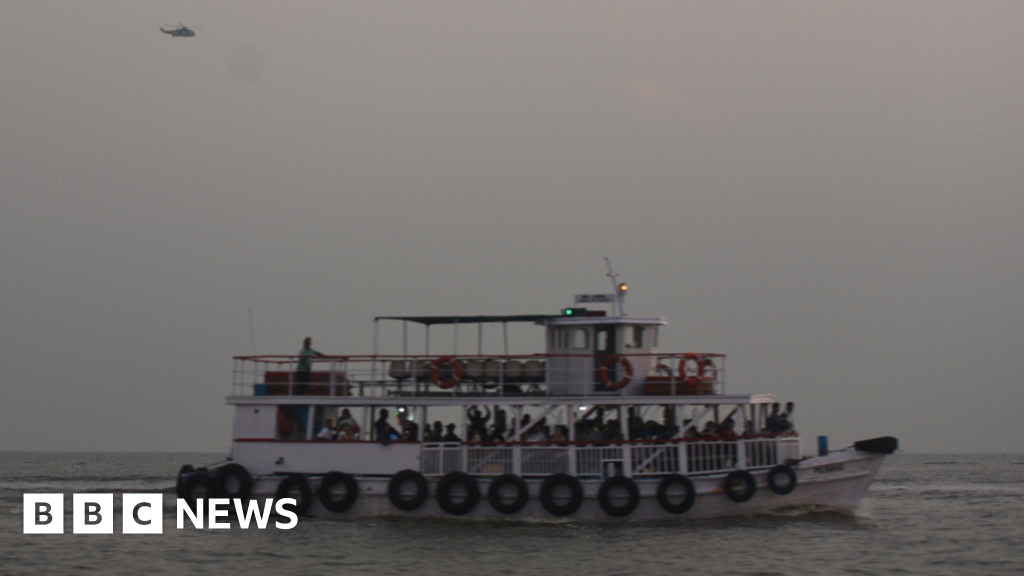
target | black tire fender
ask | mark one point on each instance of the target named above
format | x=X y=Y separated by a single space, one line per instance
x=744 y=477
x=395 y=486
x=549 y=485
x=773 y=483
x=224 y=475
x=494 y=494
x=193 y=481
x=305 y=499
x=443 y=493
x=186 y=469
x=351 y=491
x=604 y=496
x=687 y=503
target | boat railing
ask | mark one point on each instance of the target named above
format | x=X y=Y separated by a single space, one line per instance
x=481 y=375
x=439 y=459
x=641 y=458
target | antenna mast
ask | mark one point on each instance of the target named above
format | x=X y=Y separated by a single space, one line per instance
x=619 y=289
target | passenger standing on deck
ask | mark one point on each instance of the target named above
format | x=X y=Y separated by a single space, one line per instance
x=382 y=429
x=500 y=425
x=787 y=416
x=450 y=435
x=478 y=422
x=775 y=425
x=304 y=366
x=438 y=434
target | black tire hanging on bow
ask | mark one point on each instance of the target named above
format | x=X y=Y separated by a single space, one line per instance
x=305 y=499
x=740 y=477
x=773 y=480
x=186 y=469
x=195 y=482
x=222 y=480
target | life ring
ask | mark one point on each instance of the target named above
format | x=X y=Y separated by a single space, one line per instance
x=196 y=481
x=351 y=491
x=435 y=371
x=604 y=496
x=240 y=488
x=663 y=498
x=608 y=363
x=740 y=477
x=305 y=499
x=186 y=469
x=444 y=495
x=494 y=494
x=575 y=498
x=395 y=490
x=285 y=421
x=782 y=488
x=698 y=360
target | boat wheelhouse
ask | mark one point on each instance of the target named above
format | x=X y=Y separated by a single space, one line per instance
x=600 y=424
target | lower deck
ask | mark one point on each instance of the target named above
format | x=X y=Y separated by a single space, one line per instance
x=638 y=458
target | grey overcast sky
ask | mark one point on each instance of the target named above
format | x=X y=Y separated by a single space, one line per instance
x=828 y=192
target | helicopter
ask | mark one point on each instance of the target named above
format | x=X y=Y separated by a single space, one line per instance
x=181 y=30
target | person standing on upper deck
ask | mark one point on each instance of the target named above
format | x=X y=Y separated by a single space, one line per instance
x=787 y=415
x=775 y=424
x=304 y=366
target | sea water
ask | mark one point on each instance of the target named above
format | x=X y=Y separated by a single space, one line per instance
x=925 y=514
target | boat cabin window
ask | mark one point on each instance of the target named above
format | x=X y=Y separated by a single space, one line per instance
x=559 y=339
x=634 y=336
x=602 y=341
x=580 y=339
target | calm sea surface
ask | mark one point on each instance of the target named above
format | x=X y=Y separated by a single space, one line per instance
x=925 y=514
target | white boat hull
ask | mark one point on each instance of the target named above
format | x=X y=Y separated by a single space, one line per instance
x=837 y=481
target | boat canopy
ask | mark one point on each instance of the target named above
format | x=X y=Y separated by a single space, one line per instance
x=430 y=320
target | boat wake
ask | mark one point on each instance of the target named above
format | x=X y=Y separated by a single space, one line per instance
x=807 y=510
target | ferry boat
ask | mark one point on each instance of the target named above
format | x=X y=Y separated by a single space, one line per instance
x=599 y=425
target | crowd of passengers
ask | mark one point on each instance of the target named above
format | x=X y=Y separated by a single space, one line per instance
x=592 y=427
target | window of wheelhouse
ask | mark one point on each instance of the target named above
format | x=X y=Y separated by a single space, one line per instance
x=641 y=337
x=559 y=339
x=580 y=339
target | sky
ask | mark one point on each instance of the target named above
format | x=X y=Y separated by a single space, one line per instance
x=828 y=193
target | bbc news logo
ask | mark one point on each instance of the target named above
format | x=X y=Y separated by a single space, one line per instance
x=144 y=513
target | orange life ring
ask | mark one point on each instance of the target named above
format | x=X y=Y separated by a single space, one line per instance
x=285 y=422
x=701 y=362
x=608 y=363
x=435 y=371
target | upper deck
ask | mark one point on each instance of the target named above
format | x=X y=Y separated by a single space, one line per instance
x=581 y=353
x=468 y=379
